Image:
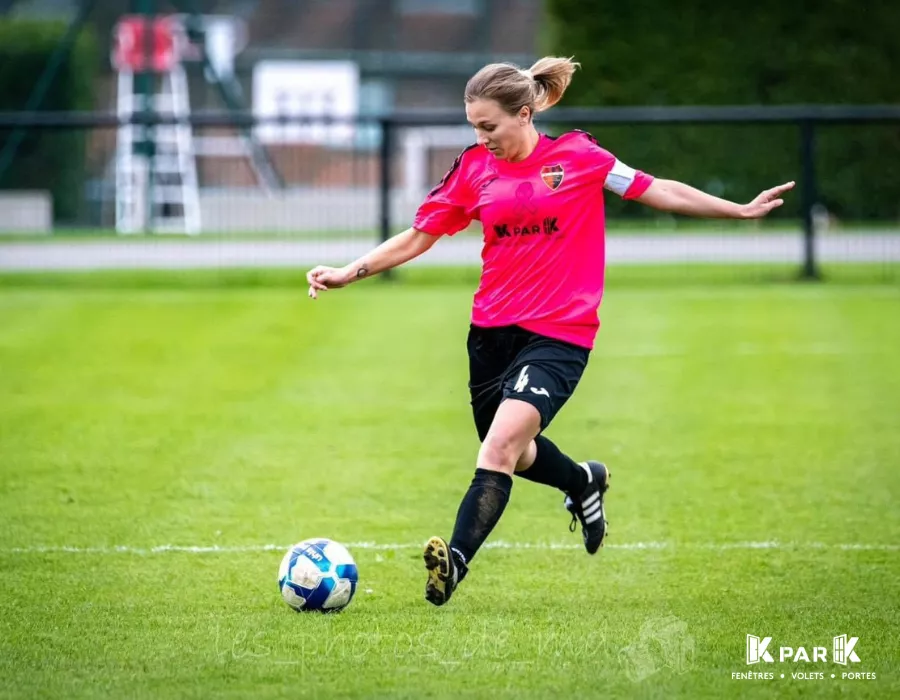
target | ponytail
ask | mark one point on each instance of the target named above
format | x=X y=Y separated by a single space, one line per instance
x=552 y=76
x=539 y=87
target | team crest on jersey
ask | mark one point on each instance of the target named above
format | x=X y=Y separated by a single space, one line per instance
x=552 y=175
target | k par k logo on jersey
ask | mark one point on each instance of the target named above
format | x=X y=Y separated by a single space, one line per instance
x=842 y=651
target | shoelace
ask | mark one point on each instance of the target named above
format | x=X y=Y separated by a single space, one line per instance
x=573 y=509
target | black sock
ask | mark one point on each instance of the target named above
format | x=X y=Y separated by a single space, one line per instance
x=553 y=468
x=479 y=512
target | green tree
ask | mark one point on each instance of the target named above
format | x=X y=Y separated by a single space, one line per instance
x=706 y=53
x=47 y=160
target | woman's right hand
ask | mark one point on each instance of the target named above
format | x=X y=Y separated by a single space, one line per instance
x=322 y=278
x=391 y=253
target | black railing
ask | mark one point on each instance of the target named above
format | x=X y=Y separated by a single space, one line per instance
x=806 y=118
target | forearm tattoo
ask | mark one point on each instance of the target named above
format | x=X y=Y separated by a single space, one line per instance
x=362 y=272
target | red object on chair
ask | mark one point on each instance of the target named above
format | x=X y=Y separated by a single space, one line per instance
x=132 y=46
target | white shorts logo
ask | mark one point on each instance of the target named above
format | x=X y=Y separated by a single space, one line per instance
x=522 y=381
x=522 y=384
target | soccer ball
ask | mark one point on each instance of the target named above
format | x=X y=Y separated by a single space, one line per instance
x=317 y=575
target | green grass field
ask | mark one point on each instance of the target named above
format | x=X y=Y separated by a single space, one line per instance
x=163 y=438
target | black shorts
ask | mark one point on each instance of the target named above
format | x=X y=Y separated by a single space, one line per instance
x=510 y=362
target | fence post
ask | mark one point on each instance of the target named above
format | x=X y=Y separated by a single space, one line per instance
x=808 y=198
x=385 y=163
x=145 y=81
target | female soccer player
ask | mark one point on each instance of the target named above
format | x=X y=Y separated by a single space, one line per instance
x=540 y=203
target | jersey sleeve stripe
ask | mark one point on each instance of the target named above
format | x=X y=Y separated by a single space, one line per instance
x=453 y=169
x=587 y=134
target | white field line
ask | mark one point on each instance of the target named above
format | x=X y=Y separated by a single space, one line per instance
x=377 y=546
x=745 y=350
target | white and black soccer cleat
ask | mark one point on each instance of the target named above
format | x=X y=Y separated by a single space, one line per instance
x=589 y=508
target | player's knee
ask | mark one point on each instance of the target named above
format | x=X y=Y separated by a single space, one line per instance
x=526 y=459
x=500 y=451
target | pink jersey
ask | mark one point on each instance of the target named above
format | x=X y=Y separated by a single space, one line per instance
x=544 y=231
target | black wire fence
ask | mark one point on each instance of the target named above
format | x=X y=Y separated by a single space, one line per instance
x=144 y=191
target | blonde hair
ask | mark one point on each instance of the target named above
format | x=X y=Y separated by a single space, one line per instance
x=538 y=88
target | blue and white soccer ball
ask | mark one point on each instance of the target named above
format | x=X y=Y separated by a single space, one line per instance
x=318 y=575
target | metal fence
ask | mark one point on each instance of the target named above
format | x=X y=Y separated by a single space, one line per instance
x=293 y=195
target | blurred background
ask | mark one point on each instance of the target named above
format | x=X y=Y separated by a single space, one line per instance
x=304 y=131
x=175 y=412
